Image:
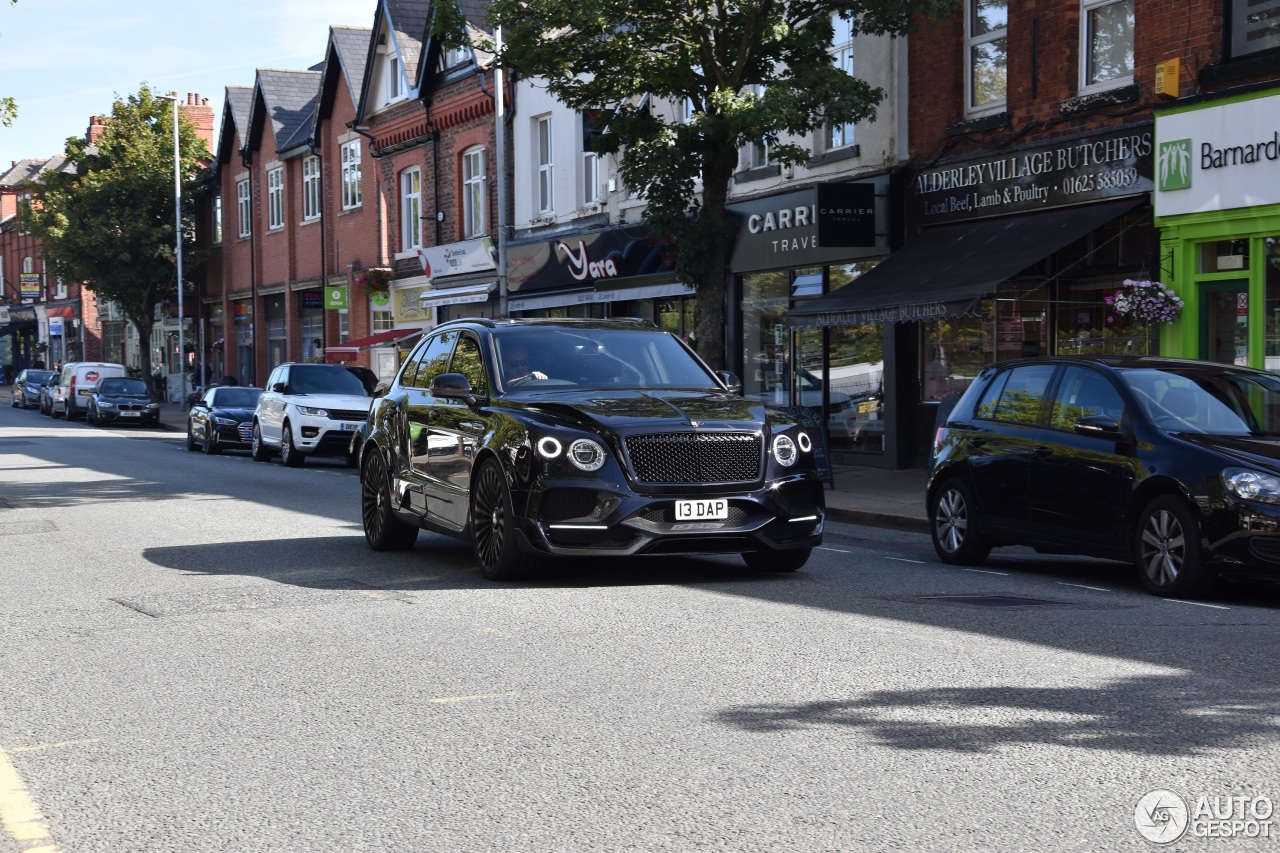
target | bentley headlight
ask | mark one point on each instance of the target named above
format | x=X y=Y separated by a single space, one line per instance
x=784 y=450
x=313 y=412
x=1252 y=485
x=586 y=454
x=548 y=447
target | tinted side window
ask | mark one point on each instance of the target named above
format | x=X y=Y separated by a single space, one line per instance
x=468 y=361
x=1081 y=393
x=432 y=360
x=1022 y=396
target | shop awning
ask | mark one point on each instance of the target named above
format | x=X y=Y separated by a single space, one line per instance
x=456 y=295
x=948 y=269
x=391 y=337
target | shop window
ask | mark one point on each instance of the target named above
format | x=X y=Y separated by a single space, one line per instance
x=955 y=350
x=1223 y=256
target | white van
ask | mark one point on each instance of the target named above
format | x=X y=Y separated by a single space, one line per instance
x=76 y=384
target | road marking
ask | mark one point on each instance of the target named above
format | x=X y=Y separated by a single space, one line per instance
x=987 y=572
x=905 y=560
x=42 y=746
x=473 y=698
x=19 y=815
x=1082 y=586
x=1197 y=603
x=837 y=550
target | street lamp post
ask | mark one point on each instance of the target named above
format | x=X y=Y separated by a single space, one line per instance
x=177 y=251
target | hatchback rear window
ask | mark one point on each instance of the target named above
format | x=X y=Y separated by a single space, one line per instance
x=1017 y=395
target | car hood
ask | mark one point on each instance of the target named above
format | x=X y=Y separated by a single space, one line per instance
x=1258 y=451
x=235 y=413
x=332 y=401
x=636 y=410
x=125 y=398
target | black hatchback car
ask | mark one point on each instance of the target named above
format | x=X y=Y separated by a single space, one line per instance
x=26 y=388
x=1170 y=464
x=599 y=438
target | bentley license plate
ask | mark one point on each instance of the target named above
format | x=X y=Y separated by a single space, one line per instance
x=702 y=509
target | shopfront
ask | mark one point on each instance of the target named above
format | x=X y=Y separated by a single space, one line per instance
x=1005 y=256
x=608 y=272
x=1218 y=211
x=790 y=249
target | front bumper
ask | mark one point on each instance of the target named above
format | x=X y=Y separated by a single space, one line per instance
x=321 y=436
x=570 y=519
x=1243 y=537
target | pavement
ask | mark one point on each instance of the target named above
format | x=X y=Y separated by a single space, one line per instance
x=861 y=495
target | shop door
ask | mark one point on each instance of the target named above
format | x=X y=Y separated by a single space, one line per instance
x=1224 y=314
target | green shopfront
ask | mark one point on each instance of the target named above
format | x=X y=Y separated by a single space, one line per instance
x=1217 y=206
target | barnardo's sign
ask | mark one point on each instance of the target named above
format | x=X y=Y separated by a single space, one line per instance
x=815 y=225
x=468 y=256
x=1037 y=177
x=1218 y=157
x=586 y=258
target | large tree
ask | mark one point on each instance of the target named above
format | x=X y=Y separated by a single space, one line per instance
x=107 y=219
x=755 y=71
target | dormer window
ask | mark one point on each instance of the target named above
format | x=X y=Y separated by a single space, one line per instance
x=457 y=56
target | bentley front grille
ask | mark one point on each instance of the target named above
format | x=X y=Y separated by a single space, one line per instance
x=691 y=457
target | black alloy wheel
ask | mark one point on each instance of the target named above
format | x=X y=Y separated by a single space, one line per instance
x=382 y=529
x=211 y=447
x=258 y=448
x=1168 y=551
x=953 y=520
x=289 y=455
x=777 y=561
x=191 y=437
x=493 y=527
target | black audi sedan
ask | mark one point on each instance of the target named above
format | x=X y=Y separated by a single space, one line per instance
x=222 y=419
x=1169 y=464
x=538 y=439
x=26 y=387
x=122 y=400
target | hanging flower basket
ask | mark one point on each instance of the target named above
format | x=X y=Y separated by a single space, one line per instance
x=1148 y=301
x=376 y=279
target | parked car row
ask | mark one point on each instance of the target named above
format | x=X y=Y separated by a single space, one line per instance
x=102 y=392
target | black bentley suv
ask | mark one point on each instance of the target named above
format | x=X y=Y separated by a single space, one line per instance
x=583 y=438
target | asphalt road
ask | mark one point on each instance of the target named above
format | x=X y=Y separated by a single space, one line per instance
x=201 y=654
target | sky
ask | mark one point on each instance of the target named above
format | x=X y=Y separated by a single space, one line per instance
x=67 y=60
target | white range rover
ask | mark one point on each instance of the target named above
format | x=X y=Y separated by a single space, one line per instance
x=308 y=410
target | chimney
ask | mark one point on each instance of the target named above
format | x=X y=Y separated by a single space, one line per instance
x=96 y=128
x=200 y=114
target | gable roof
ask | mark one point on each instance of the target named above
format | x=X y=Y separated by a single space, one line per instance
x=344 y=63
x=286 y=98
x=406 y=22
x=24 y=170
x=235 y=119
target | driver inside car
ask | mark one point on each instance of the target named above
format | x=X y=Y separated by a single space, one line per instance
x=518 y=366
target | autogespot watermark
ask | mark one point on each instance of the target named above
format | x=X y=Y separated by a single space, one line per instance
x=1163 y=817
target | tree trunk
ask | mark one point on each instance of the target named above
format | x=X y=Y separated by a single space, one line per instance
x=711 y=270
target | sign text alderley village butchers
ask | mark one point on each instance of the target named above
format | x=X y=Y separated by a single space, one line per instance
x=1036 y=177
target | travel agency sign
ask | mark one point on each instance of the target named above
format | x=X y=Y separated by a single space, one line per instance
x=1218 y=157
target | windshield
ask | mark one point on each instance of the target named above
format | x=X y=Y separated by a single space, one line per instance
x=124 y=386
x=1224 y=403
x=236 y=398
x=599 y=358
x=321 y=379
x=35 y=377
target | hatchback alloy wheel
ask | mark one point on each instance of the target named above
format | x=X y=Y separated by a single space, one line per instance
x=1168 y=552
x=953 y=522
